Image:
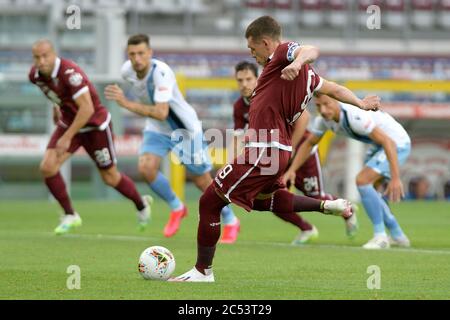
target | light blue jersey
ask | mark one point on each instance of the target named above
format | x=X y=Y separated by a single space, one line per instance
x=358 y=124
x=160 y=137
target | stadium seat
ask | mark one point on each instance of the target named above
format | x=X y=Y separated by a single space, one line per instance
x=395 y=16
x=444 y=14
x=311 y=13
x=283 y=11
x=423 y=14
x=253 y=9
x=338 y=16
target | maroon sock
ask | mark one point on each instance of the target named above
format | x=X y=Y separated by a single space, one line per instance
x=295 y=219
x=208 y=233
x=127 y=187
x=58 y=189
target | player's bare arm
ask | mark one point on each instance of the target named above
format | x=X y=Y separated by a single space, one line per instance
x=159 y=111
x=85 y=111
x=299 y=129
x=343 y=94
x=300 y=157
x=303 y=55
x=394 y=189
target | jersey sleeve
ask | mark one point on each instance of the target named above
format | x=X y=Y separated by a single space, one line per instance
x=164 y=80
x=361 y=122
x=318 y=128
x=75 y=82
x=125 y=70
x=285 y=53
x=239 y=120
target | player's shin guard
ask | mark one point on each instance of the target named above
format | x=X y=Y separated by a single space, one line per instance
x=58 y=189
x=208 y=227
x=127 y=187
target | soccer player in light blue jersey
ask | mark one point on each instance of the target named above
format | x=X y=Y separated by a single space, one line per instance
x=169 y=119
x=390 y=147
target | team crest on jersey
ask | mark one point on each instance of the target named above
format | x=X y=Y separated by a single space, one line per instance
x=75 y=79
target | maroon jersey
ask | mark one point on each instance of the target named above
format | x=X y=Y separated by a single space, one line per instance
x=68 y=82
x=240 y=113
x=277 y=103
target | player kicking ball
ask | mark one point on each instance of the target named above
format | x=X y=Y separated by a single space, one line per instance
x=253 y=180
x=308 y=178
x=81 y=121
x=390 y=147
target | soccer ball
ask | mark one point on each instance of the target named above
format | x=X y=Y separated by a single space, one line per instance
x=156 y=263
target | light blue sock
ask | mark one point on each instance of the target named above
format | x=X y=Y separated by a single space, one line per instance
x=228 y=216
x=373 y=204
x=162 y=188
x=391 y=223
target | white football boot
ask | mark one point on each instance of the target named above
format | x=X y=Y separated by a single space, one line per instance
x=377 y=242
x=145 y=214
x=339 y=207
x=400 y=242
x=306 y=236
x=68 y=223
x=194 y=275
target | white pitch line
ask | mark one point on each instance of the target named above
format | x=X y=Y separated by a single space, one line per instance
x=250 y=242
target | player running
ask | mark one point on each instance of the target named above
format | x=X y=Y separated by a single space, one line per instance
x=308 y=178
x=390 y=146
x=253 y=179
x=169 y=118
x=82 y=121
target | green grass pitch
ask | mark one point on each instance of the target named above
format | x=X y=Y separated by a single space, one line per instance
x=261 y=265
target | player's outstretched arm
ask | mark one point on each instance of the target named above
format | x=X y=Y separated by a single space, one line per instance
x=300 y=157
x=159 y=111
x=303 y=55
x=394 y=189
x=345 y=95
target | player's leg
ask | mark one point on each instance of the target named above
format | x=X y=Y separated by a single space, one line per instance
x=123 y=184
x=154 y=147
x=50 y=169
x=100 y=147
x=148 y=167
x=208 y=234
x=374 y=206
x=282 y=201
x=379 y=164
x=193 y=153
x=231 y=224
x=309 y=180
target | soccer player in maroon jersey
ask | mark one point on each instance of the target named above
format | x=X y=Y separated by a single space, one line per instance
x=308 y=178
x=254 y=179
x=81 y=120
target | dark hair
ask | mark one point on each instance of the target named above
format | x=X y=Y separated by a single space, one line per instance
x=263 y=26
x=138 y=39
x=245 y=65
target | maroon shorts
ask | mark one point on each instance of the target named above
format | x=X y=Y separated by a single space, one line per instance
x=309 y=178
x=255 y=171
x=98 y=144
